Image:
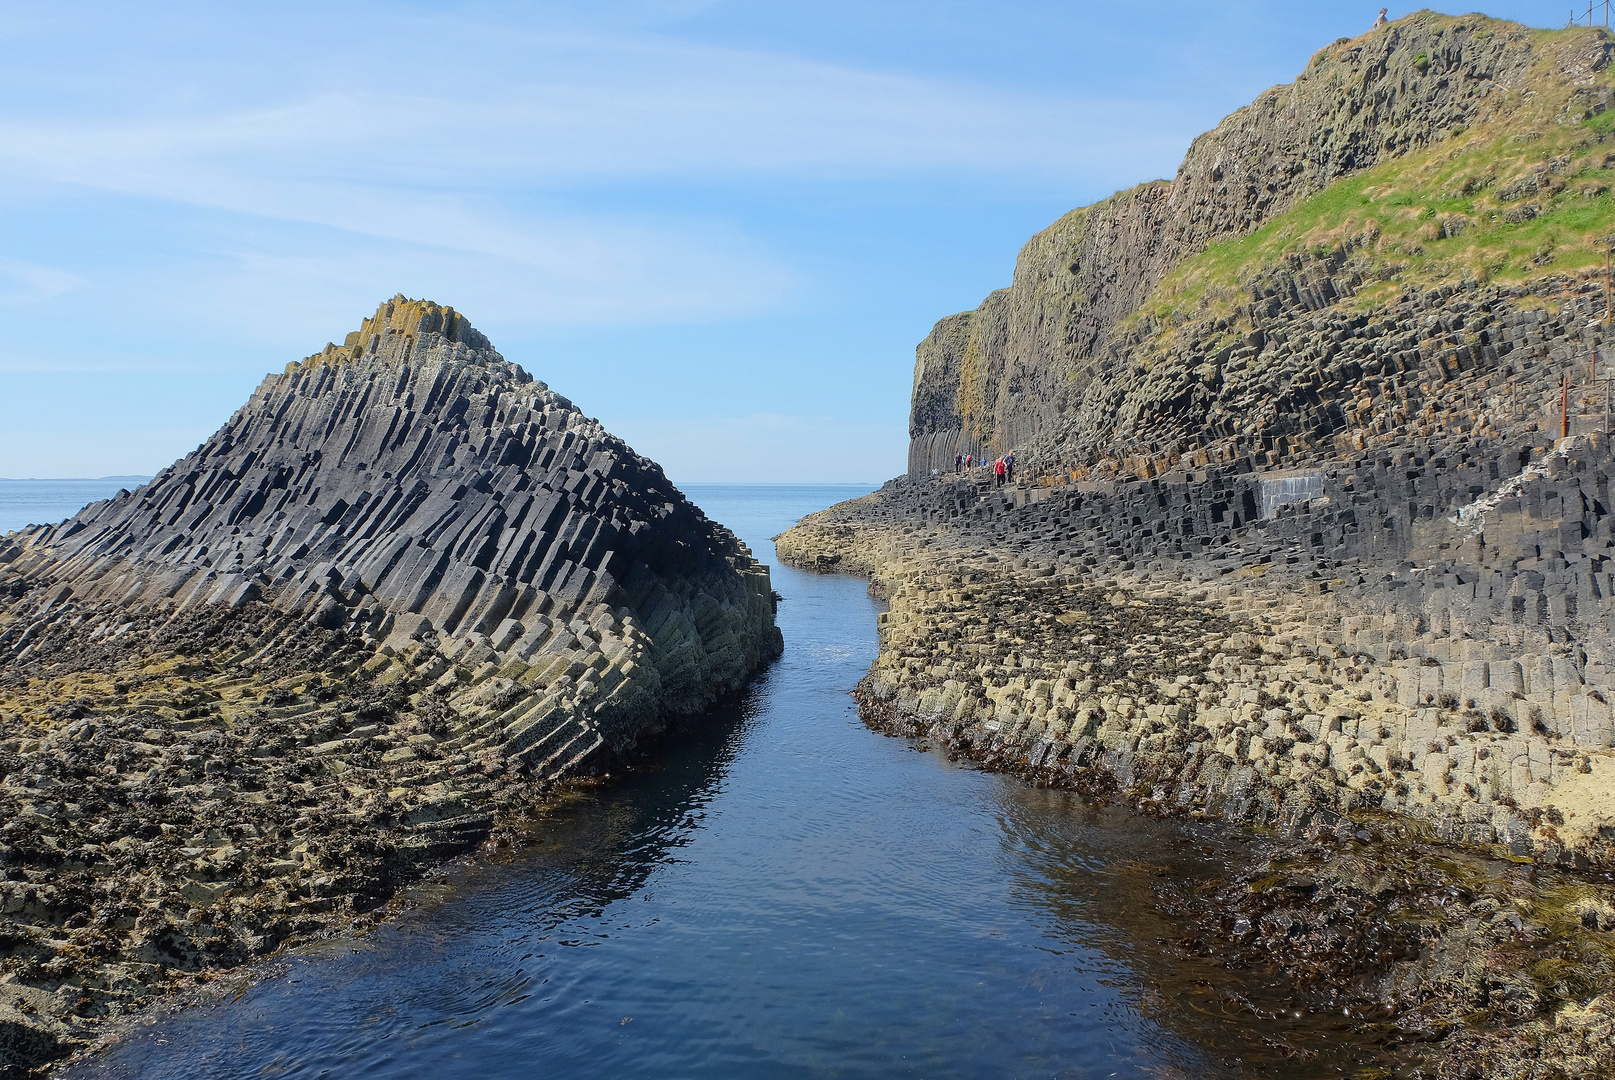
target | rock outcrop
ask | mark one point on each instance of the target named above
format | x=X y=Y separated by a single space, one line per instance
x=414 y=486
x=404 y=586
x=1014 y=372
x=1285 y=647
x=1312 y=529
x=1398 y=661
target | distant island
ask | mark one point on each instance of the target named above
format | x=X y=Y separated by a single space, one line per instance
x=74 y=479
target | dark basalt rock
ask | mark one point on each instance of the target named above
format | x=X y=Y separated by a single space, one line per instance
x=362 y=628
x=415 y=486
x=1063 y=364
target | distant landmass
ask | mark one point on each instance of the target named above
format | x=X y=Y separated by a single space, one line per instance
x=74 y=479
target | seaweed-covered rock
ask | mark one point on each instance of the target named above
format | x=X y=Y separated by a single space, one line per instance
x=401 y=593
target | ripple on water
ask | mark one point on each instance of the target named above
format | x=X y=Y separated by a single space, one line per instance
x=784 y=894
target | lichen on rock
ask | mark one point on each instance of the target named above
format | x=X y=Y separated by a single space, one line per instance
x=402 y=592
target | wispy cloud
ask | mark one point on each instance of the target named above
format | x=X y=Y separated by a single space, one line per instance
x=192 y=188
x=23 y=284
x=544 y=108
x=480 y=140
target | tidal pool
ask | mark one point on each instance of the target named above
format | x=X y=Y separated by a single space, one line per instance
x=784 y=893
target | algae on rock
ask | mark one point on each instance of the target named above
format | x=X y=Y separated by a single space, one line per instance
x=401 y=593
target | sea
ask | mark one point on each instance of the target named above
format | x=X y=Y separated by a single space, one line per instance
x=45 y=502
x=776 y=892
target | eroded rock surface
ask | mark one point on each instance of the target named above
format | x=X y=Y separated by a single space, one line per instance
x=1360 y=668
x=1312 y=531
x=1086 y=362
x=406 y=586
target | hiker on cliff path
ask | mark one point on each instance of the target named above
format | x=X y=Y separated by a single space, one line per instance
x=998 y=472
x=958 y=459
x=968 y=458
x=1009 y=467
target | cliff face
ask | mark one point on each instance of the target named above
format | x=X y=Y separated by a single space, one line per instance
x=1297 y=538
x=1005 y=375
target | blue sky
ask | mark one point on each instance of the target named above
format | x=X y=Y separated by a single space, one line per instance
x=720 y=227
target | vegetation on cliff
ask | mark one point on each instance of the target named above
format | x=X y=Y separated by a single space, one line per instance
x=1436 y=150
x=1298 y=541
x=1521 y=195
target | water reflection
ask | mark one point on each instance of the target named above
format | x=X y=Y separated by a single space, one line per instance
x=786 y=894
x=1098 y=878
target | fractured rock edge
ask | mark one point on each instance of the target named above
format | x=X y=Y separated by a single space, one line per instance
x=1070 y=366
x=1304 y=552
x=398 y=597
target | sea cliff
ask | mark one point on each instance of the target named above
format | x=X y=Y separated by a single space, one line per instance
x=1311 y=530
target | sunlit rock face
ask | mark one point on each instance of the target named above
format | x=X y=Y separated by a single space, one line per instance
x=475 y=528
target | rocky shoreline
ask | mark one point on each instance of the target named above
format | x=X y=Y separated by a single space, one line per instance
x=145 y=850
x=1457 y=910
x=1313 y=533
x=372 y=622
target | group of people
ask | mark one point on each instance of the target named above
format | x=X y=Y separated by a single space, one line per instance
x=1003 y=468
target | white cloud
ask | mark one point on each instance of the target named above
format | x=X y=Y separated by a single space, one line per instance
x=452 y=158
x=546 y=109
x=24 y=284
x=342 y=153
x=408 y=139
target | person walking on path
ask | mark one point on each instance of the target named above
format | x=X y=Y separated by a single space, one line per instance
x=998 y=472
x=1009 y=467
x=958 y=459
x=968 y=459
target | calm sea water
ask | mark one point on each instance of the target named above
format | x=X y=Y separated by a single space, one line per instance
x=785 y=894
x=45 y=502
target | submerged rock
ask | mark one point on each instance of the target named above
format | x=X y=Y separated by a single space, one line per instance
x=405 y=586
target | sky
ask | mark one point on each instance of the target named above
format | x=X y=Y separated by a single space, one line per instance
x=719 y=226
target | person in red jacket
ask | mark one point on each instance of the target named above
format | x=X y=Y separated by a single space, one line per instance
x=998 y=472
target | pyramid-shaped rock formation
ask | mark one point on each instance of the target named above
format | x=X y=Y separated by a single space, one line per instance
x=474 y=528
x=402 y=590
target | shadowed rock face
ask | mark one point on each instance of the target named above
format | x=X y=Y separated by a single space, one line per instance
x=413 y=485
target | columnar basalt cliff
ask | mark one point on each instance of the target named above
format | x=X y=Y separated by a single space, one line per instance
x=1014 y=373
x=1312 y=529
x=405 y=585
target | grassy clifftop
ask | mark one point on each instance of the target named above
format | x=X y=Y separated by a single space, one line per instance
x=1434 y=149
x=1520 y=196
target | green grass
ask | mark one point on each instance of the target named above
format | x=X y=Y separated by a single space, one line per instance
x=1389 y=220
x=1602 y=124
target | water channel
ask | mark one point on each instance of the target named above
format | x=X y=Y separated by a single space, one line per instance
x=783 y=894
